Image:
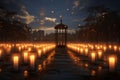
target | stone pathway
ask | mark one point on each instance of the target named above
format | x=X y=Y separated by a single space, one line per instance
x=62 y=68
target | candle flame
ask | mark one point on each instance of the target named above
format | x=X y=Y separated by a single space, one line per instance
x=15 y=62
x=112 y=62
x=25 y=73
x=32 y=61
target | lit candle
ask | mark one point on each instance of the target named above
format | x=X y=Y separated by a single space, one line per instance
x=0 y=53
x=39 y=53
x=104 y=48
x=99 y=54
x=78 y=49
x=110 y=46
x=93 y=72
x=29 y=49
x=86 y=65
x=119 y=48
x=44 y=50
x=19 y=48
x=15 y=62
x=32 y=61
x=39 y=67
x=86 y=51
x=112 y=62
x=115 y=48
x=81 y=50
x=99 y=69
x=93 y=56
x=25 y=73
x=25 y=56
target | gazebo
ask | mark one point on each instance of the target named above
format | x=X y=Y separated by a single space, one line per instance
x=61 y=34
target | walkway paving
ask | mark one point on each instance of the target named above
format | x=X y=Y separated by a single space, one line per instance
x=63 y=68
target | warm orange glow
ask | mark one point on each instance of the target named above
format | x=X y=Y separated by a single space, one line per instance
x=99 y=68
x=112 y=62
x=93 y=55
x=44 y=50
x=115 y=48
x=15 y=62
x=44 y=64
x=29 y=49
x=110 y=46
x=39 y=67
x=32 y=61
x=119 y=48
x=93 y=72
x=25 y=56
x=0 y=53
x=86 y=51
x=99 y=54
x=25 y=73
x=19 y=48
x=86 y=65
x=104 y=48
x=39 y=53
x=81 y=50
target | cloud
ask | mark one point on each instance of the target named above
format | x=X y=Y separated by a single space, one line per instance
x=42 y=22
x=26 y=16
x=50 y=19
x=47 y=30
x=76 y=3
x=71 y=31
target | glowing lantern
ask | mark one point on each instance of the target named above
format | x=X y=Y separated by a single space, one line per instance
x=25 y=56
x=39 y=53
x=32 y=61
x=0 y=53
x=112 y=62
x=99 y=54
x=15 y=62
x=25 y=73
x=93 y=55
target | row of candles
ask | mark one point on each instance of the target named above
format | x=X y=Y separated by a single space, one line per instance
x=97 y=52
x=77 y=60
x=16 y=60
x=27 y=53
x=43 y=65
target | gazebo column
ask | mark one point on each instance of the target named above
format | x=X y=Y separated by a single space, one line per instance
x=65 y=37
x=56 y=37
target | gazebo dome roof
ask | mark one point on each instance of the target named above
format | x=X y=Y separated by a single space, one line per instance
x=61 y=26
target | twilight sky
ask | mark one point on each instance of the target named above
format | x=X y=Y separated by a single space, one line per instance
x=44 y=14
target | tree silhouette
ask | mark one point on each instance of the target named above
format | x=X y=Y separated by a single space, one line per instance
x=11 y=29
x=103 y=24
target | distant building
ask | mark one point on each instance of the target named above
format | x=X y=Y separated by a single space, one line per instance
x=38 y=35
x=49 y=37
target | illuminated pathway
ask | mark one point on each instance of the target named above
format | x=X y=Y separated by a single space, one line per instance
x=63 y=68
